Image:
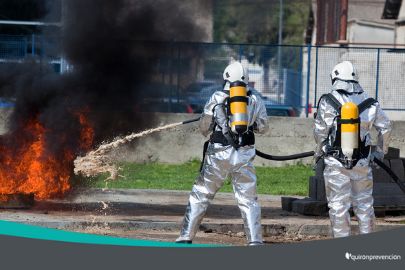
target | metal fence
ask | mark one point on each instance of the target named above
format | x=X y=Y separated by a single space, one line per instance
x=290 y=78
x=13 y=47
x=381 y=72
x=194 y=71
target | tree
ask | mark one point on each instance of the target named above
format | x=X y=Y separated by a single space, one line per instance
x=257 y=21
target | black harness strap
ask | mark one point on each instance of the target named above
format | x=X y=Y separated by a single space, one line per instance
x=363 y=151
x=204 y=152
x=366 y=104
x=333 y=102
x=348 y=121
x=248 y=138
x=239 y=99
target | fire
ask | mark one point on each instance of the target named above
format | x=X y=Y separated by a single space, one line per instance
x=87 y=132
x=27 y=166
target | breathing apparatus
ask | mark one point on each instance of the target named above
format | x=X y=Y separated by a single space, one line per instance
x=345 y=144
x=236 y=79
x=344 y=141
x=349 y=133
x=238 y=102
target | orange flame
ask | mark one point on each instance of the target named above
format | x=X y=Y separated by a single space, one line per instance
x=28 y=167
x=87 y=132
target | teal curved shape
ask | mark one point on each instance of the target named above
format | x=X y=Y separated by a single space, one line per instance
x=36 y=232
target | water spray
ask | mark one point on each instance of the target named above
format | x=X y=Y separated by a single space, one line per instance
x=97 y=161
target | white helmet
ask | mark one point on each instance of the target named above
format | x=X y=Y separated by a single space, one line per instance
x=233 y=73
x=344 y=71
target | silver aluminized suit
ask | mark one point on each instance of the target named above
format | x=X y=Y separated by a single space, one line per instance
x=223 y=161
x=350 y=186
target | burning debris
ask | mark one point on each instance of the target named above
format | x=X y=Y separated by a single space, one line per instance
x=27 y=165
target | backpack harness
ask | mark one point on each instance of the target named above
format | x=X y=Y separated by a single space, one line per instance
x=335 y=149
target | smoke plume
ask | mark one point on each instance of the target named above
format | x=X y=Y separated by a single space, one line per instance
x=114 y=49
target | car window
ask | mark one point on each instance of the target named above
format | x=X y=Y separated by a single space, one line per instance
x=277 y=112
x=198 y=86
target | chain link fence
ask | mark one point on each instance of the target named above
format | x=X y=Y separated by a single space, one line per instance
x=290 y=79
x=13 y=47
x=194 y=72
x=381 y=72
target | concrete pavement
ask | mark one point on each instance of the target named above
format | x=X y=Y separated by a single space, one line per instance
x=132 y=210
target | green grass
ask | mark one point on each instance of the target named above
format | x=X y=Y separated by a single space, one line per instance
x=289 y=180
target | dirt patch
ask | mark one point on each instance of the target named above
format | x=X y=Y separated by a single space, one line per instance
x=233 y=239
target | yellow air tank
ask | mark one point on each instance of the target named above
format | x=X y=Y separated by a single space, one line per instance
x=238 y=105
x=349 y=129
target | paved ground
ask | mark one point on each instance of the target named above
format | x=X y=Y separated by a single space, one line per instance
x=156 y=214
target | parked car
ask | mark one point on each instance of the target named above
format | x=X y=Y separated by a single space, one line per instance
x=196 y=87
x=158 y=97
x=198 y=99
x=165 y=106
x=275 y=109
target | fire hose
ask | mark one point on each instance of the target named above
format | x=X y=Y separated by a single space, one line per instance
x=283 y=158
x=388 y=170
x=268 y=156
x=382 y=165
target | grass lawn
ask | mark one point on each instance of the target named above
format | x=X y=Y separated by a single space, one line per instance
x=289 y=180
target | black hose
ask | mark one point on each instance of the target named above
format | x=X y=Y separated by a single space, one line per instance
x=311 y=153
x=391 y=173
x=283 y=158
x=191 y=120
x=396 y=179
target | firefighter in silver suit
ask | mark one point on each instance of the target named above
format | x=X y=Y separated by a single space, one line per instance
x=346 y=187
x=224 y=157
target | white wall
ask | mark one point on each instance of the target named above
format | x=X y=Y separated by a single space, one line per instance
x=368 y=32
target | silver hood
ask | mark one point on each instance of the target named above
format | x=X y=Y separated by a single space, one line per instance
x=350 y=87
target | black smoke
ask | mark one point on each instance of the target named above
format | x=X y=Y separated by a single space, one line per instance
x=114 y=49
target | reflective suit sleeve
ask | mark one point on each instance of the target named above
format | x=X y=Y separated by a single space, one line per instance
x=261 y=123
x=383 y=125
x=206 y=123
x=323 y=123
x=220 y=117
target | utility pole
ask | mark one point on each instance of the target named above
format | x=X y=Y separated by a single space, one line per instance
x=279 y=53
x=280 y=24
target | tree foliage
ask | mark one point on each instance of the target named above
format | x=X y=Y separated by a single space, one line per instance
x=257 y=21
